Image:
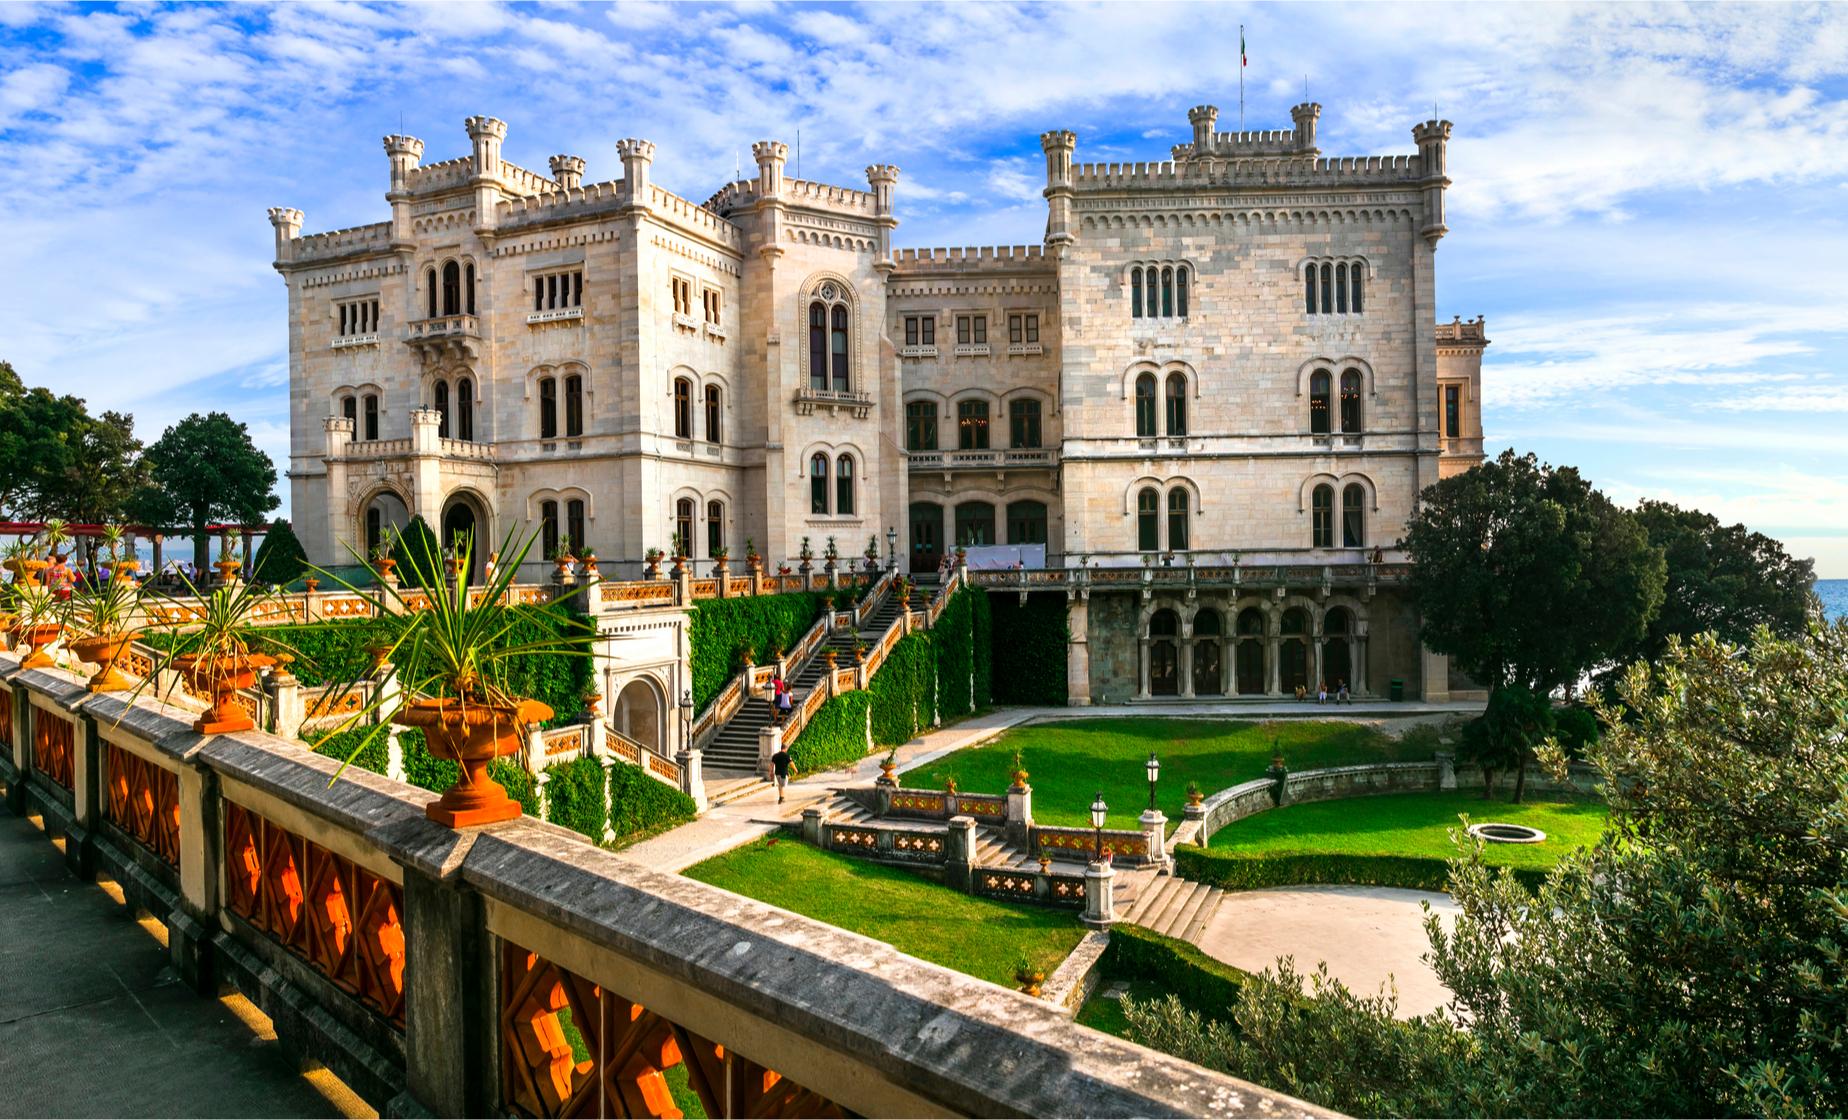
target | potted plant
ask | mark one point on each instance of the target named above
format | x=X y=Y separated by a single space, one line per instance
x=888 y=767
x=589 y=559
x=212 y=649
x=830 y=555
x=1029 y=976
x=680 y=556
x=114 y=540
x=128 y=567
x=311 y=584
x=859 y=653
x=1194 y=796
x=563 y=558
x=103 y=617
x=830 y=655
x=382 y=560
x=450 y=566
x=872 y=553
x=40 y=620
x=752 y=561
x=593 y=703
x=807 y=555
x=904 y=592
x=949 y=784
x=455 y=686
x=962 y=556
x=1020 y=769
x=719 y=556
x=782 y=569
x=652 y=561
x=230 y=556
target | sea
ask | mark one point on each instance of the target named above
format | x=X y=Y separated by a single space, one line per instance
x=1834 y=596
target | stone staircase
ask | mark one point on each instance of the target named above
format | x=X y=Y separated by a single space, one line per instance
x=1176 y=907
x=991 y=848
x=732 y=753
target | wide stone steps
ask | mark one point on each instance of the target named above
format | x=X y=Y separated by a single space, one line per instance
x=1176 y=907
x=991 y=847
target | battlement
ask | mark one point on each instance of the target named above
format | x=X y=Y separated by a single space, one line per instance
x=1298 y=170
x=973 y=258
x=744 y=192
x=692 y=215
x=450 y=174
x=375 y=238
x=596 y=198
x=732 y=196
x=1460 y=331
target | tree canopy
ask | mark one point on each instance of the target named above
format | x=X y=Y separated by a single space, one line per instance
x=205 y=469
x=1524 y=574
x=58 y=461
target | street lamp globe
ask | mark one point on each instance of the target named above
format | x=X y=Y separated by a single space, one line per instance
x=1099 y=810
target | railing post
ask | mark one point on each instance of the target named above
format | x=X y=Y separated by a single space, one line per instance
x=285 y=703
x=535 y=750
x=1099 y=896
x=451 y=1008
x=1019 y=814
x=813 y=826
x=1155 y=828
x=959 y=854
x=86 y=785
x=22 y=750
x=190 y=928
x=692 y=777
x=1446 y=770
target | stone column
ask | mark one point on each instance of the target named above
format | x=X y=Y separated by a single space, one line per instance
x=1078 y=652
x=1155 y=826
x=812 y=826
x=1435 y=675
x=692 y=776
x=286 y=707
x=1019 y=813
x=22 y=748
x=190 y=928
x=1142 y=668
x=769 y=740
x=1099 y=896
x=1359 y=659
x=1186 y=689
x=86 y=790
x=1318 y=679
x=1273 y=672
x=959 y=853
x=451 y=1036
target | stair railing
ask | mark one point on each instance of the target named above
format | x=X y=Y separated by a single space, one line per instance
x=652 y=762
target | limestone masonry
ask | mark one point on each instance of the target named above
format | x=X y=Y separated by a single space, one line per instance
x=1227 y=359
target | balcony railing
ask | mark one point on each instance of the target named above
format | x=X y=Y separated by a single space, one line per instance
x=555 y=315
x=444 y=327
x=987 y=459
x=917 y=351
x=858 y=401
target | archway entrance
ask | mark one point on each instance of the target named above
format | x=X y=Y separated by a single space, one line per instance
x=463 y=522
x=1164 y=660
x=1250 y=654
x=383 y=512
x=637 y=714
x=926 y=537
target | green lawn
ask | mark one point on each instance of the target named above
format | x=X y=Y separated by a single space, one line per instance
x=1104 y=1013
x=1416 y=824
x=977 y=936
x=1071 y=760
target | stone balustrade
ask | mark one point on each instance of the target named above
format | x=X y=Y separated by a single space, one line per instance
x=431 y=969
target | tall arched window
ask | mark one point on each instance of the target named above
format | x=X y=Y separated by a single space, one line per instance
x=818 y=347
x=574 y=524
x=548 y=408
x=372 y=416
x=1350 y=401
x=1353 y=516
x=465 y=409
x=683 y=408
x=1177 y=520
x=1164 y=664
x=1319 y=385
x=1354 y=286
x=1309 y=289
x=715 y=528
x=452 y=288
x=1341 y=271
x=683 y=526
x=1148 y=520
x=1322 y=516
x=1328 y=294
x=975 y=523
x=349 y=408
x=574 y=405
x=1167 y=293
x=972 y=425
x=1135 y=293
x=442 y=409
x=1180 y=291
x=548 y=528
x=1145 y=406
x=468 y=288
x=838 y=347
x=713 y=413
x=921 y=426
x=818 y=484
x=1177 y=405
x=430 y=291
x=843 y=485
x=1026 y=522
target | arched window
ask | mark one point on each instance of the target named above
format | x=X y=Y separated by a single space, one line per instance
x=1309 y=289
x=1319 y=384
x=1023 y=415
x=1354 y=286
x=548 y=408
x=1341 y=274
x=818 y=347
x=574 y=405
x=442 y=409
x=430 y=291
x=548 y=528
x=1164 y=664
x=715 y=528
x=975 y=523
x=972 y=425
x=1177 y=520
x=921 y=426
x=1177 y=405
x=574 y=524
x=1350 y=401
x=713 y=412
x=1167 y=293
x=1148 y=520
x=843 y=485
x=1328 y=293
x=683 y=408
x=683 y=527
x=468 y=288
x=1206 y=657
x=452 y=288
x=838 y=346
x=349 y=408
x=465 y=409
x=372 y=416
x=1135 y=293
x=818 y=484
x=1353 y=516
x=1026 y=522
x=1145 y=406
x=1180 y=291
x=1322 y=516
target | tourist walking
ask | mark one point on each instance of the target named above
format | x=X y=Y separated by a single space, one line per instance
x=779 y=765
x=783 y=700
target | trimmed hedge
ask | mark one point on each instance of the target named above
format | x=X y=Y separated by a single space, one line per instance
x=421 y=768
x=375 y=756
x=835 y=736
x=720 y=630
x=1284 y=869
x=517 y=782
x=639 y=805
x=1207 y=985
x=280 y=558
x=904 y=690
x=954 y=638
x=1030 y=642
x=574 y=791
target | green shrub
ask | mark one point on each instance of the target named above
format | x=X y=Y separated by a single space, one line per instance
x=280 y=558
x=904 y=690
x=574 y=791
x=1576 y=729
x=416 y=545
x=1030 y=641
x=1210 y=986
x=953 y=637
x=374 y=756
x=720 y=630
x=1236 y=872
x=981 y=650
x=517 y=782
x=1421 y=741
x=640 y=805
x=835 y=736
x=421 y=768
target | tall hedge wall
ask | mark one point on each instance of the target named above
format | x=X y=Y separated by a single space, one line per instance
x=1030 y=641
x=954 y=639
x=720 y=630
x=835 y=736
x=904 y=690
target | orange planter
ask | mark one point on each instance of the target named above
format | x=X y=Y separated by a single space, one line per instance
x=472 y=735
x=220 y=678
x=102 y=651
x=39 y=636
x=123 y=571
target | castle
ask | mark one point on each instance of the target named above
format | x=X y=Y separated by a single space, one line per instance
x=1210 y=396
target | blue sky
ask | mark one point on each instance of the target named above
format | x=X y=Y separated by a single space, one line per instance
x=1650 y=203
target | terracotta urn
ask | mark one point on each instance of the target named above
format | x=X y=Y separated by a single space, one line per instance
x=1195 y=797
x=831 y=656
x=888 y=771
x=753 y=562
x=680 y=566
x=1019 y=777
x=1045 y=862
x=472 y=734
x=593 y=704
x=384 y=567
x=590 y=568
x=564 y=567
x=29 y=570
x=311 y=585
x=220 y=678
x=103 y=650
x=652 y=568
x=227 y=569
x=451 y=566
x=37 y=636
x=381 y=657
x=123 y=571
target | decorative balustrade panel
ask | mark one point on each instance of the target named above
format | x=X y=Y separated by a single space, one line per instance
x=919 y=847
x=662 y=768
x=332 y=701
x=345 y=606
x=1082 y=842
x=337 y=916
x=566 y=740
x=1016 y=886
x=569 y=1048
x=644 y=594
x=981 y=806
x=1065 y=890
x=53 y=743
x=919 y=803
x=626 y=749
x=853 y=839
x=705 y=588
x=144 y=802
x=846 y=680
x=737 y=586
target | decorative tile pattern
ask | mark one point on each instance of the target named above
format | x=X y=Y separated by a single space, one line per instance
x=144 y=802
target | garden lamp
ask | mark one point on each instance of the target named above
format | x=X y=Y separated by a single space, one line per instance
x=686 y=720
x=1099 y=811
x=892 y=545
x=1154 y=768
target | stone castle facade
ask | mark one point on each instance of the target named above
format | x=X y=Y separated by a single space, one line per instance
x=1227 y=363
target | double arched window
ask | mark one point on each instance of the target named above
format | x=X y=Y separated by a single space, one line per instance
x=441 y=395
x=1321 y=404
x=715 y=528
x=1158 y=291
x=829 y=344
x=1145 y=406
x=1322 y=517
x=1149 y=521
x=714 y=414
x=450 y=291
x=840 y=471
x=1319 y=384
x=573 y=389
x=683 y=408
x=683 y=526
x=353 y=407
x=1333 y=287
x=1174 y=411
x=1353 y=516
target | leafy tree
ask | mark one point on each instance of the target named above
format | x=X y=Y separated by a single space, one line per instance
x=1526 y=575
x=1506 y=736
x=280 y=559
x=204 y=470
x=99 y=475
x=58 y=461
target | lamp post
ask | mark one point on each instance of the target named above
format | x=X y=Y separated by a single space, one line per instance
x=892 y=546
x=686 y=720
x=1099 y=811
x=1154 y=769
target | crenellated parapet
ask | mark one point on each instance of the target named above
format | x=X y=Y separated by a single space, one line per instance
x=985 y=258
x=1462 y=333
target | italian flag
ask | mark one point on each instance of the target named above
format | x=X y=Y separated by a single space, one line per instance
x=1242 y=60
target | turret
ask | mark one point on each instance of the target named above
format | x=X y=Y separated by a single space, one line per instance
x=486 y=133
x=569 y=171
x=769 y=155
x=1305 y=116
x=404 y=152
x=883 y=177
x=1433 y=138
x=1204 y=118
x=1058 y=145
x=637 y=157
x=288 y=226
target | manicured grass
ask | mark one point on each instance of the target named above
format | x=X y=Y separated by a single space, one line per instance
x=1103 y=1013
x=1071 y=760
x=1416 y=824
x=977 y=936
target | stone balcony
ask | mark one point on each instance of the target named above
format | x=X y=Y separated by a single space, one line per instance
x=858 y=402
x=445 y=338
x=995 y=459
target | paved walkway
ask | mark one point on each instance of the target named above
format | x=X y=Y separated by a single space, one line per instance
x=1366 y=934
x=94 y=1021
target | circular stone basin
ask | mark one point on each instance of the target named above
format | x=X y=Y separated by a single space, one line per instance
x=1497 y=833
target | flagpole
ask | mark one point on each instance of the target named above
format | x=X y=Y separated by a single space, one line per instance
x=1241 y=77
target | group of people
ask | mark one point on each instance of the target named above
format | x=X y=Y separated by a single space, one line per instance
x=1322 y=696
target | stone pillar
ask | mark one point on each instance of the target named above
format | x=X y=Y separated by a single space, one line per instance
x=1099 y=896
x=1273 y=671
x=285 y=703
x=1142 y=668
x=1359 y=660
x=693 y=777
x=1155 y=826
x=427 y=466
x=451 y=1034
x=1446 y=770
x=86 y=793
x=1435 y=675
x=959 y=854
x=21 y=750
x=812 y=825
x=1319 y=679
x=1019 y=813
x=404 y=153
x=1186 y=667
x=769 y=740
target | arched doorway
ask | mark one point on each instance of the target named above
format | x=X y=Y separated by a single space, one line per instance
x=1293 y=651
x=637 y=714
x=464 y=521
x=926 y=537
x=1337 y=656
x=1250 y=666
x=1164 y=655
x=1208 y=679
x=383 y=512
